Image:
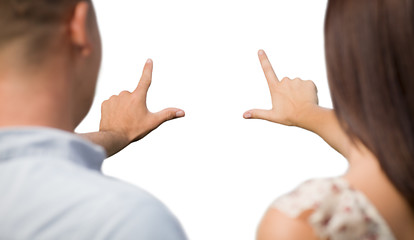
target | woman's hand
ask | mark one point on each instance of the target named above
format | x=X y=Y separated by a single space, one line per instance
x=125 y=118
x=295 y=103
x=291 y=99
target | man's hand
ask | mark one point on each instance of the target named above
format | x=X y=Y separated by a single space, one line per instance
x=290 y=98
x=125 y=118
x=127 y=114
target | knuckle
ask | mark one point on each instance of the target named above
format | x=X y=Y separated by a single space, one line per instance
x=124 y=93
x=170 y=115
x=285 y=79
x=311 y=83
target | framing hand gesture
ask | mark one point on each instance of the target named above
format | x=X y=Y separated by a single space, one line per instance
x=125 y=118
x=295 y=103
x=127 y=114
x=290 y=98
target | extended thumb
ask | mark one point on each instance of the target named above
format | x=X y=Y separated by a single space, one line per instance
x=257 y=114
x=170 y=113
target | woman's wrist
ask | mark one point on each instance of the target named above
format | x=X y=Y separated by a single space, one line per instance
x=307 y=115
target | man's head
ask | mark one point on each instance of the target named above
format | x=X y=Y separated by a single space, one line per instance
x=38 y=36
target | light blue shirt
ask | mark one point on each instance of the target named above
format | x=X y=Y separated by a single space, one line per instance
x=51 y=187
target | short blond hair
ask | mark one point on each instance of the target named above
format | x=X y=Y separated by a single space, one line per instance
x=36 y=22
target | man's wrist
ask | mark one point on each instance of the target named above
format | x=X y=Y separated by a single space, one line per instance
x=116 y=136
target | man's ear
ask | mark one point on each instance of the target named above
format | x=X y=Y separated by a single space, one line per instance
x=79 y=28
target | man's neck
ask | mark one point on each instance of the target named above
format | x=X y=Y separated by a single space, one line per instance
x=37 y=100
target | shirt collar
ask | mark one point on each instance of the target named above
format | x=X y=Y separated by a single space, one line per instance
x=39 y=142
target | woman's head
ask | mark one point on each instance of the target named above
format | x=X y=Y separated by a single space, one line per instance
x=370 y=62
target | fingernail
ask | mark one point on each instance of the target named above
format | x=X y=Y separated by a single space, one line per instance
x=261 y=52
x=247 y=115
x=149 y=60
x=180 y=114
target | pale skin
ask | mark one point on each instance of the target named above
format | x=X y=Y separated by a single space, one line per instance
x=295 y=103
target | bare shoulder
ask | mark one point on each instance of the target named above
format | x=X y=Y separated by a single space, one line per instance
x=276 y=225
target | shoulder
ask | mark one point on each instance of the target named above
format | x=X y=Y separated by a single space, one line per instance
x=315 y=194
x=146 y=220
x=113 y=209
x=326 y=208
x=276 y=225
x=288 y=216
x=135 y=213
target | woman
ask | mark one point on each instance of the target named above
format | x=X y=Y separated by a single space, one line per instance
x=370 y=63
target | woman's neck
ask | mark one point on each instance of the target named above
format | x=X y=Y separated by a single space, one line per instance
x=366 y=175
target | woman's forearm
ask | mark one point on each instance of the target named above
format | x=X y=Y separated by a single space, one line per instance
x=324 y=123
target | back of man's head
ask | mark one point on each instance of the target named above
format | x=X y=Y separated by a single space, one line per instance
x=50 y=53
x=34 y=24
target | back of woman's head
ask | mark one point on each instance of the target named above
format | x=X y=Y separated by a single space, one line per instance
x=33 y=23
x=370 y=62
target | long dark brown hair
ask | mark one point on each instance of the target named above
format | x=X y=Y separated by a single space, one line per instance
x=370 y=61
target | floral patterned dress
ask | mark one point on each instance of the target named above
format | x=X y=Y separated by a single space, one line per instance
x=339 y=212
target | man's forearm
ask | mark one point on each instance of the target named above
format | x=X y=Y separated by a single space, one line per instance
x=112 y=142
x=324 y=123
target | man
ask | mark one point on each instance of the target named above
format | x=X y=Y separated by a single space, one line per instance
x=50 y=180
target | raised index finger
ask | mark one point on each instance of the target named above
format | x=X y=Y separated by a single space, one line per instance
x=146 y=78
x=270 y=74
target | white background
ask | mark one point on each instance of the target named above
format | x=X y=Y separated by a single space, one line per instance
x=216 y=171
